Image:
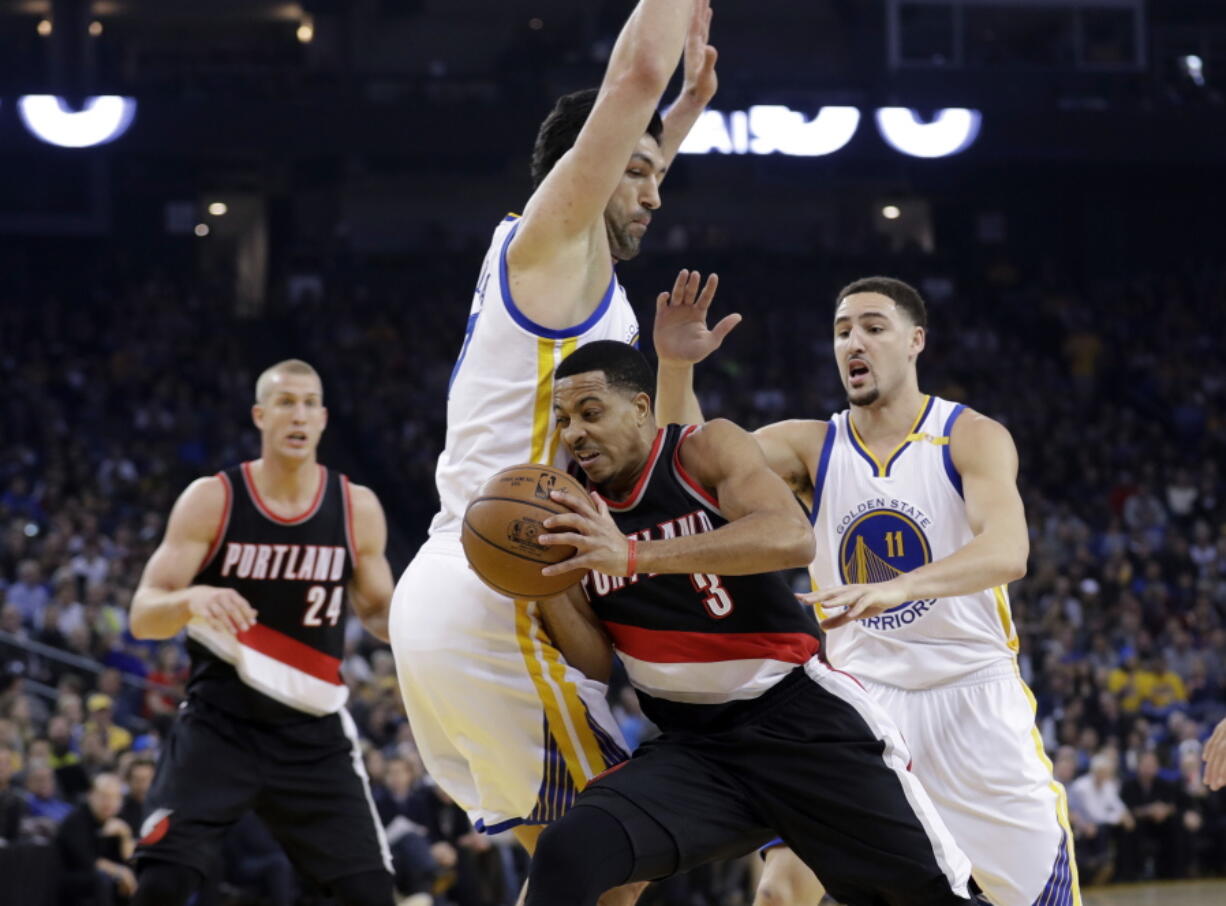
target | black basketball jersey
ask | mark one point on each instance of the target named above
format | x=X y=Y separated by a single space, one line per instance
x=294 y=572
x=696 y=647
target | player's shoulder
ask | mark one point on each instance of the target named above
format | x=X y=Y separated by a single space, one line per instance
x=976 y=437
x=363 y=499
x=201 y=506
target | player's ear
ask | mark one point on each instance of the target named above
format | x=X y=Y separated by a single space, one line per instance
x=257 y=415
x=324 y=426
x=642 y=407
x=919 y=337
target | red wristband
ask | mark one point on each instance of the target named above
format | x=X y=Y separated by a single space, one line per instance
x=632 y=556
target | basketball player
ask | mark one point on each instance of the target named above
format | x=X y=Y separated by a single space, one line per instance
x=257 y=564
x=504 y=725
x=759 y=736
x=919 y=530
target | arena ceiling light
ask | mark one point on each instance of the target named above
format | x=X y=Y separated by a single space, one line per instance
x=951 y=131
x=101 y=119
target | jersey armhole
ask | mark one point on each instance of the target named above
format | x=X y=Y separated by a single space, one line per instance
x=692 y=485
x=223 y=524
x=823 y=466
x=947 y=455
x=351 y=540
x=537 y=330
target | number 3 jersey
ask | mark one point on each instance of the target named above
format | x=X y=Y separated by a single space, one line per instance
x=294 y=572
x=697 y=647
x=875 y=521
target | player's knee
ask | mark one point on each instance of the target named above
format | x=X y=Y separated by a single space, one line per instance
x=370 y=888
x=165 y=884
x=578 y=859
x=773 y=893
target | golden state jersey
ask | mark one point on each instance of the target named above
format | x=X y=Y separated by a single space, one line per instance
x=500 y=399
x=876 y=520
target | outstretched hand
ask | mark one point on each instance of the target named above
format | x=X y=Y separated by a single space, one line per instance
x=859 y=601
x=680 y=333
x=588 y=528
x=701 y=82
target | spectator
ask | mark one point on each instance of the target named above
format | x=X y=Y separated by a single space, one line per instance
x=138 y=775
x=12 y=805
x=255 y=862
x=94 y=843
x=1097 y=811
x=42 y=800
x=29 y=594
x=416 y=859
x=101 y=708
x=1150 y=849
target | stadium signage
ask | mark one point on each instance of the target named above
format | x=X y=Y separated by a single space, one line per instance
x=775 y=129
x=101 y=119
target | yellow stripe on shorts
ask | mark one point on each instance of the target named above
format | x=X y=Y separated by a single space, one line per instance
x=1058 y=789
x=564 y=709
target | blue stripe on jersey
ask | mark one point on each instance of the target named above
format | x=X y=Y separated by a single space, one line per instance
x=531 y=326
x=1059 y=888
x=823 y=464
x=947 y=450
x=609 y=748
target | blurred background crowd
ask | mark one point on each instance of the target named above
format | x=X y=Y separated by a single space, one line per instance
x=320 y=179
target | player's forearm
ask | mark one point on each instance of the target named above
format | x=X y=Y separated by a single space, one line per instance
x=158 y=613
x=760 y=542
x=676 y=402
x=650 y=44
x=584 y=645
x=984 y=562
x=678 y=122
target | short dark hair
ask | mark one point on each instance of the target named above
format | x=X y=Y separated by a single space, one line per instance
x=561 y=128
x=904 y=295
x=624 y=366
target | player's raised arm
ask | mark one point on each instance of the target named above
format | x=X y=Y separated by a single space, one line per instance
x=371 y=587
x=766 y=531
x=682 y=340
x=563 y=227
x=698 y=86
x=165 y=601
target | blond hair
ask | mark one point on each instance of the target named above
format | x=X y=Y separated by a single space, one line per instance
x=263 y=385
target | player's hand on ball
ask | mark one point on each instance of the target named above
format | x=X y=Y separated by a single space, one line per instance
x=860 y=601
x=590 y=529
x=1215 y=758
x=224 y=609
x=680 y=333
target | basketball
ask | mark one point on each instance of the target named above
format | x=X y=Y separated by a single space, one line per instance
x=501 y=526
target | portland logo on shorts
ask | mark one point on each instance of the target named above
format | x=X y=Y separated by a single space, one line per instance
x=882 y=538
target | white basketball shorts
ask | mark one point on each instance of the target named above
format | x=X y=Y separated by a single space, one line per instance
x=975 y=748
x=506 y=727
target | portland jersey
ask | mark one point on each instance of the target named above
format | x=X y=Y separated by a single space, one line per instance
x=696 y=647
x=294 y=573
x=500 y=399
x=875 y=521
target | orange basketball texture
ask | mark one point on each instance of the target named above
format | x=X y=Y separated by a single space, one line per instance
x=502 y=523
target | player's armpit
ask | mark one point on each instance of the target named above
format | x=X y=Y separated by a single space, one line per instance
x=575 y=630
x=160 y=606
x=372 y=584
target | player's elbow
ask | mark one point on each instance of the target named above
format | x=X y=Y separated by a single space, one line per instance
x=645 y=79
x=796 y=544
x=1015 y=561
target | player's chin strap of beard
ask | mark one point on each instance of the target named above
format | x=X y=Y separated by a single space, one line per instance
x=589 y=852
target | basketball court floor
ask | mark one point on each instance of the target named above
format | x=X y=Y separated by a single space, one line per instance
x=1162 y=893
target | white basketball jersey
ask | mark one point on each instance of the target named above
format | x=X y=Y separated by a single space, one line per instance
x=500 y=399
x=874 y=521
